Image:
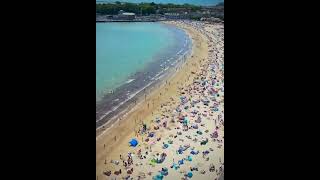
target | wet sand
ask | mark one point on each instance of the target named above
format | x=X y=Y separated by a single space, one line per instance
x=161 y=103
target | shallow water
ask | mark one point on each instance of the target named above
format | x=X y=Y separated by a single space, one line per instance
x=125 y=49
x=132 y=57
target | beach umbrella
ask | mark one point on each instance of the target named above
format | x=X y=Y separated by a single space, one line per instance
x=175 y=166
x=151 y=134
x=214 y=134
x=194 y=152
x=158 y=177
x=165 y=146
x=133 y=142
x=180 y=162
x=189 y=174
x=189 y=158
x=195 y=126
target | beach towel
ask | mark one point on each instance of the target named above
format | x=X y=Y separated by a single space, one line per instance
x=153 y=162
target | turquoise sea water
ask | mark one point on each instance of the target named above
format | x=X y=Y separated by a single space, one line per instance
x=196 y=2
x=123 y=49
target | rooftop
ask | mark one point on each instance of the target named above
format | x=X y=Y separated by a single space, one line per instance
x=128 y=14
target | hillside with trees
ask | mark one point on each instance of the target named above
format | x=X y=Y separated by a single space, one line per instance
x=143 y=8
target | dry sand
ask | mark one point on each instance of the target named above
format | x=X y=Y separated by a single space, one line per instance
x=113 y=142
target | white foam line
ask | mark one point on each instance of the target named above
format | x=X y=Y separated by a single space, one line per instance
x=157 y=75
x=130 y=80
x=180 y=51
x=130 y=97
x=161 y=76
x=123 y=115
x=115 y=108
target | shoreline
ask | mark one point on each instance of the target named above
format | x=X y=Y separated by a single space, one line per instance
x=162 y=100
x=114 y=122
x=105 y=119
x=139 y=98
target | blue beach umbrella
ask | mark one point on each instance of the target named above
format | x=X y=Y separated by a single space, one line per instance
x=133 y=142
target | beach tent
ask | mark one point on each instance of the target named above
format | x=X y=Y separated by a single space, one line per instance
x=133 y=142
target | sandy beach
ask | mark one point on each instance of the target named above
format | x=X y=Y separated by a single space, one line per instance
x=179 y=125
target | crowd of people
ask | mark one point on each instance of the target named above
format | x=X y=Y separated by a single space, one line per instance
x=185 y=129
